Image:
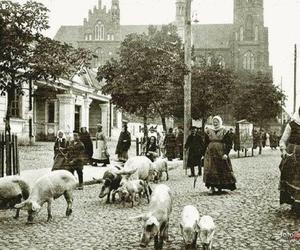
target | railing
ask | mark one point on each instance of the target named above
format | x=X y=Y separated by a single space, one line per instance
x=9 y=155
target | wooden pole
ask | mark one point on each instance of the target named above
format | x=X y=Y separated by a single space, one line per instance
x=295 y=76
x=188 y=77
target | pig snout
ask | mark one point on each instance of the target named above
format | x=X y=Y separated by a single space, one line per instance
x=145 y=239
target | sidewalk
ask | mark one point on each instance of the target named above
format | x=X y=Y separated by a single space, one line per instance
x=89 y=172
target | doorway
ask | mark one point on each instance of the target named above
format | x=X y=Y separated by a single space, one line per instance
x=77 y=118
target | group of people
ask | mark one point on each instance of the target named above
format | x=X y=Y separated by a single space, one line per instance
x=73 y=154
x=264 y=139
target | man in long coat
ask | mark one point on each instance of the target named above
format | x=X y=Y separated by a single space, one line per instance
x=170 y=145
x=85 y=138
x=124 y=144
x=195 y=146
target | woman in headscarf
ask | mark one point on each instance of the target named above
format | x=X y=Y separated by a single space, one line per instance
x=85 y=138
x=217 y=165
x=100 y=153
x=59 y=146
x=124 y=144
x=290 y=165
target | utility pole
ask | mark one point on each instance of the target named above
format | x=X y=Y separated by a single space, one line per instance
x=295 y=77
x=188 y=77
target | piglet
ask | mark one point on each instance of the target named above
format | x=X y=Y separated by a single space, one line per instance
x=189 y=226
x=207 y=231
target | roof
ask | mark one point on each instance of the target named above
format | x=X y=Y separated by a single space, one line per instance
x=212 y=36
x=69 y=34
x=127 y=29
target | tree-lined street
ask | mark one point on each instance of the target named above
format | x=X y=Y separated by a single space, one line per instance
x=248 y=218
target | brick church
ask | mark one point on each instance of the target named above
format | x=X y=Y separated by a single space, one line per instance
x=242 y=45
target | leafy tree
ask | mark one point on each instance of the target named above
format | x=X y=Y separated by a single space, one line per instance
x=149 y=72
x=26 y=55
x=258 y=100
x=212 y=89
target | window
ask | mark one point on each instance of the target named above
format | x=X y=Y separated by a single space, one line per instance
x=115 y=117
x=256 y=33
x=112 y=37
x=99 y=31
x=108 y=37
x=51 y=112
x=100 y=57
x=248 y=61
x=97 y=37
x=241 y=33
x=15 y=105
x=249 y=36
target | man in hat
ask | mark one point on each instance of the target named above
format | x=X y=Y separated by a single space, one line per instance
x=195 y=146
x=76 y=153
x=124 y=144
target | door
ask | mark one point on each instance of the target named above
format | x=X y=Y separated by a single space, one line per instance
x=77 y=118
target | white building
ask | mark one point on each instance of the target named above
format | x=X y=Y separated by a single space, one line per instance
x=65 y=105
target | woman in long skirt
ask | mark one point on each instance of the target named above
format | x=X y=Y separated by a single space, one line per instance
x=290 y=165
x=100 y=153
x=218 y=171
x=59 y=146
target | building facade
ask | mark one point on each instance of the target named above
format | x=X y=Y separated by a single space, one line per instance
x=242 y=45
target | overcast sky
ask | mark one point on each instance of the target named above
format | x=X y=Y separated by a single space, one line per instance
x=281 y=16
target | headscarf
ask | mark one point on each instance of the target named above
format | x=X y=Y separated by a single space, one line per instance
x=220 y=123
x=296 y=116
x=60 y=131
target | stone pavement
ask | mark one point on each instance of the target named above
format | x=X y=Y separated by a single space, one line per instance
x=247 y=218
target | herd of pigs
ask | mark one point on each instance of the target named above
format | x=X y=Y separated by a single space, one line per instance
x=130 y=183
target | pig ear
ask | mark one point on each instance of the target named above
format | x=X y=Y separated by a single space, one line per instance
x=139 y=217
x=22 y=205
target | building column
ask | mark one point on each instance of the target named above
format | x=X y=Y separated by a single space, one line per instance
x=86 y=112
x=66 y=109
x=105 y=117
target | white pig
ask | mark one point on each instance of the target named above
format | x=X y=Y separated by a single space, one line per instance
x=156 y=220
x=207 y=230
x=189 y=226
x=47 y=188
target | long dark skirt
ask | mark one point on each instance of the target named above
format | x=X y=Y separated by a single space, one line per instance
x=290 y=176
x=218 y=173
x=59 y=162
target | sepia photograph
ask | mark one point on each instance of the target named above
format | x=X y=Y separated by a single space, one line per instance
x=149 y=124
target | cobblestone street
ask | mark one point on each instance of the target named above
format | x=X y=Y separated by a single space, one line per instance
x=248 y=218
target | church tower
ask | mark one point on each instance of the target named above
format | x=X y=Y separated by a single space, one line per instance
x=250 y=36
x=180 y=17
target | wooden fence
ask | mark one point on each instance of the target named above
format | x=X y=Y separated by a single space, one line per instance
x=9 y=155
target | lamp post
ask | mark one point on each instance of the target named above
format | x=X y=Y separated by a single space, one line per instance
x=188 y=77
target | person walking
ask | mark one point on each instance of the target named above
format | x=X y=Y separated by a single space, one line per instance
x=60 y=146
x=289 y=144
x=101 y=154
x=179 y=143
x=76 y=152
x=195 y=147
x=170 y=145
x=162 y=144
x=218 y=171
x=85 y=138
x=273 y=140
x=124 y=144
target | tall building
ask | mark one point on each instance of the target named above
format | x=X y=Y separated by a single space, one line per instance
x=242 y=45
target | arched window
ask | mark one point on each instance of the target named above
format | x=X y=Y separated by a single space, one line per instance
x=112 y=37
x=100 y=57
x=248 y=61
x=99 y=31
x=249 y=28
x=256 y=33
x=108 y=37
x=241 y=33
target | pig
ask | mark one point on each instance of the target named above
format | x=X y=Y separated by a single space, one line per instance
x=207 y=230
x=47 y=188
x=189 y=226
x=160 y=166
x=13 y=189
x=111 y=182
x=156 y=220
x=129 y=189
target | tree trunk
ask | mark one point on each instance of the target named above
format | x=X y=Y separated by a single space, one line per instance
x=145 y=128
x=163 y=121
x=203 y=124
x=10 y=93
